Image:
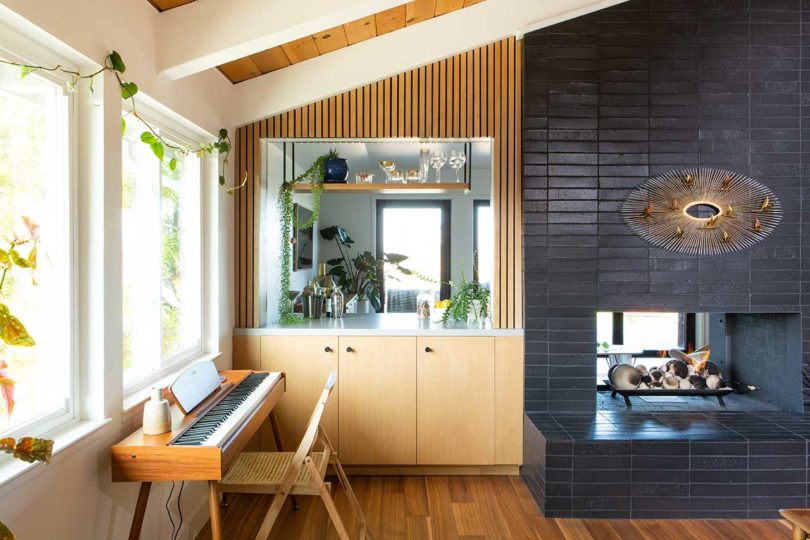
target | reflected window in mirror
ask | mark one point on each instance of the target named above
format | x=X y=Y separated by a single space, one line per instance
x=303 y=239
x=483 y=242
x=419 y=230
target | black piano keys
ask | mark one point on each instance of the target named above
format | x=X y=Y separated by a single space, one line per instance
x=207 y=424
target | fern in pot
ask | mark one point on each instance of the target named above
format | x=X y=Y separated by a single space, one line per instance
x=469 y=302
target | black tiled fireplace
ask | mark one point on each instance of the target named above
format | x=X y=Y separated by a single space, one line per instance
x=610 y=99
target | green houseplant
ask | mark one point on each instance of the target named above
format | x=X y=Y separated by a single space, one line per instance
x=469 y=301
x=363 y=273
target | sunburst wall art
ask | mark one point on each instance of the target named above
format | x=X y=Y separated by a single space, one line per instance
x=702 y=211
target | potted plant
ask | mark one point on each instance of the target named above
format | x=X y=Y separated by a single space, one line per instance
x=337 y=168
x=470 y=302
x=361 y=274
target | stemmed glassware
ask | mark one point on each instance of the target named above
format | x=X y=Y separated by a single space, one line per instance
x=457 y=161
x=387 y=167
x=437 y=161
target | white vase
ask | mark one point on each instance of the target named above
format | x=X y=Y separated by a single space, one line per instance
x=157 y=418
x=363 y=306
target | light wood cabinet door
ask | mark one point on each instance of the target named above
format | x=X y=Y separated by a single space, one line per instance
x=377 y=400
x=307 y=362
x=509 y=400
x=455 y=401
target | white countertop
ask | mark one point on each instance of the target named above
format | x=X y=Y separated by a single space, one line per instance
x=378 y=324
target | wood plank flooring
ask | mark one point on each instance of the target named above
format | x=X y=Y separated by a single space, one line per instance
x=450 y=507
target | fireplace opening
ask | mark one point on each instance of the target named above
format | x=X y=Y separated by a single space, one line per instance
x=699 y=361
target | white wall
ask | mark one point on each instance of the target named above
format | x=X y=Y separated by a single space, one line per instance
x=73 y=497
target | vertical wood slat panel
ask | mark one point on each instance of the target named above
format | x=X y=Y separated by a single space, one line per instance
x=473 y=94
x=517 y=189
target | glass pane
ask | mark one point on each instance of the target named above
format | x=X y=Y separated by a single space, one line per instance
x=180 y=262
x=34 y=183
x=416 y=233
x=604 y=327
x=162 y=260
x=484 y=256
x=651 y=331
x=140 y=231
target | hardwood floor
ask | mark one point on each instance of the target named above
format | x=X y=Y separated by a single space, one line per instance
x=448 y=507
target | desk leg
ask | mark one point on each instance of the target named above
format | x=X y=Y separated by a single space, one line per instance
x=280 y=448
x=213 y=505
x=140 y=510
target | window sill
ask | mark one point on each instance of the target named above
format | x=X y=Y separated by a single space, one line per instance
x=135 y=400
x=68 y=438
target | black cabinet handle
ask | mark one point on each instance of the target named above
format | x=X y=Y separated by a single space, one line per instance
x=428 y=349
x=327 y=349
x=349 y=349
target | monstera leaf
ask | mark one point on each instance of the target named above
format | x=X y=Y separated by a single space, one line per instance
x=28 y=449
x=12 y=331
x=337 y=233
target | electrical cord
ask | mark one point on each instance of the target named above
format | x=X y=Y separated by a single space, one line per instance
x=168 y=512
x=179 y=510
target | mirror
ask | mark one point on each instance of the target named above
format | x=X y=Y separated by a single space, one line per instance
x=424 y=238
x=303 y=239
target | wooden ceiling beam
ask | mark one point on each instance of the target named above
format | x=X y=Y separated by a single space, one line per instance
x=201 y=35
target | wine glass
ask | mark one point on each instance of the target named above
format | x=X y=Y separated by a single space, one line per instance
x=457 y=161
x=387 y=166
x=437 y=161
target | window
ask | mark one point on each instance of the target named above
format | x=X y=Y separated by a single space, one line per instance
x=483 y=242
x=646 y=332
x=420 y=230
x=162 y=260
x=35 y=185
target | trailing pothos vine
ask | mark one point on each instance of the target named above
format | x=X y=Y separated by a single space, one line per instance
x=151 y=137
x=313 y=176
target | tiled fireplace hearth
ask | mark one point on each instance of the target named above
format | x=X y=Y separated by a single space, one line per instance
x=667 y=465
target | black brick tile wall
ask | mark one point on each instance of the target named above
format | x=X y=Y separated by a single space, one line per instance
x=632 y=91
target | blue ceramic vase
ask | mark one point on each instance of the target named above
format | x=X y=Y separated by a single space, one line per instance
x=337 y=170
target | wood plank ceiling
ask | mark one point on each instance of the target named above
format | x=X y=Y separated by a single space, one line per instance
x=337 y=38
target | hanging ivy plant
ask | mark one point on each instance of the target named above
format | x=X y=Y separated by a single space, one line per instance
x=151 y=137
x=314 y=177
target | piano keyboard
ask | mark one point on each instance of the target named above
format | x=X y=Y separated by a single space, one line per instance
x=217 y=424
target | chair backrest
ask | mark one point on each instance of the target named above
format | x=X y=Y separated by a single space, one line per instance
x=311 y=433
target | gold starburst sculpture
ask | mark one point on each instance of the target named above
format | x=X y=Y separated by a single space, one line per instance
x=702 y=211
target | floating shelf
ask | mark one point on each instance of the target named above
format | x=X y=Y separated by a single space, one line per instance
x=388 y=188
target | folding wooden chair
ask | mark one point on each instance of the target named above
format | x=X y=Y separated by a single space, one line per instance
x=301 y=473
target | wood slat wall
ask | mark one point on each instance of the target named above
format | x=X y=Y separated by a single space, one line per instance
x=473 y=94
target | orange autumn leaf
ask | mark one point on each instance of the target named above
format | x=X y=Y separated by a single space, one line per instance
x=28 y=449
x=6 y=388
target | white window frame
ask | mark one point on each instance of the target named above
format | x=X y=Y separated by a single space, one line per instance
x=178 y=134
x=14 y=50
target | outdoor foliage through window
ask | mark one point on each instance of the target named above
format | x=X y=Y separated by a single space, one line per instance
x=161 y=235
x=34 y=187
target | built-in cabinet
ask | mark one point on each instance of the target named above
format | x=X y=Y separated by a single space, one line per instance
x=377 y=422
x=406 y=401
x=455 y=400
